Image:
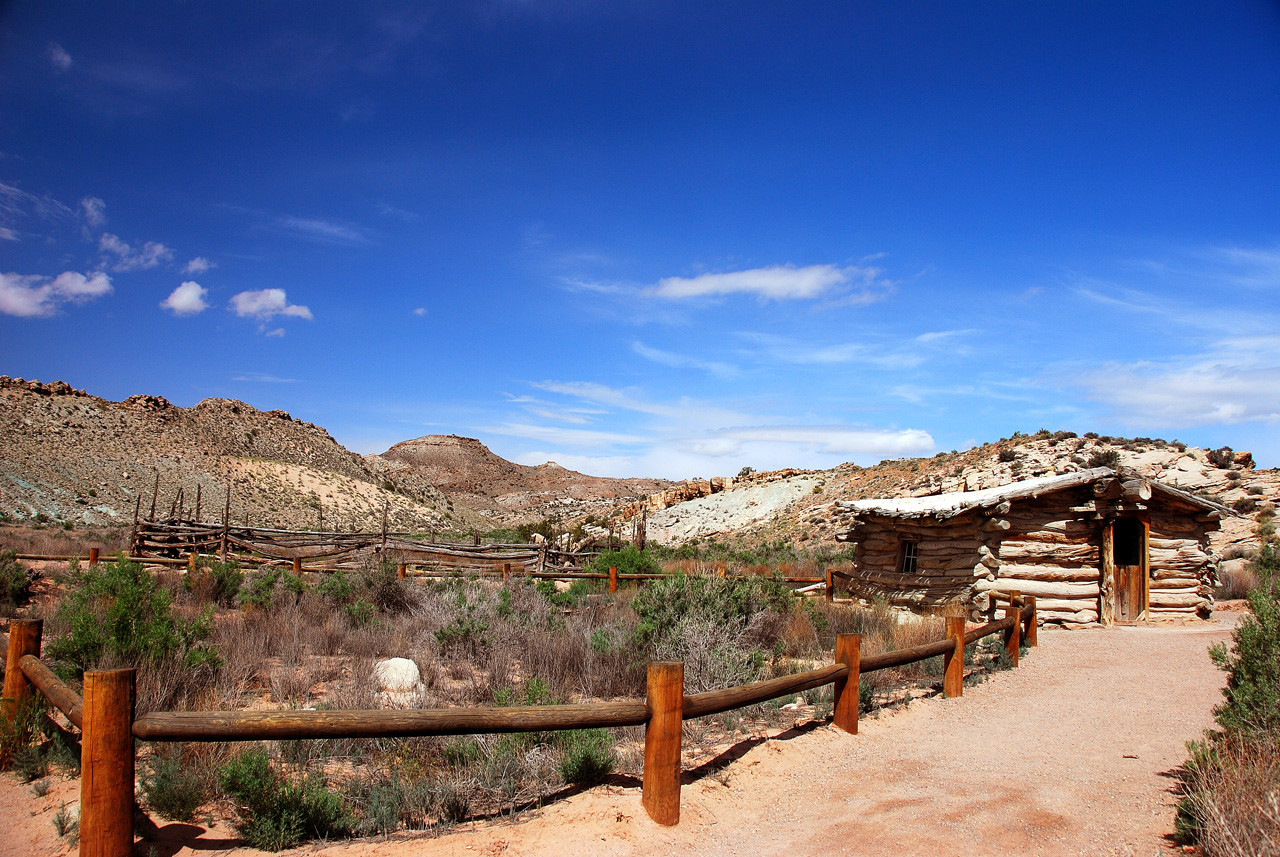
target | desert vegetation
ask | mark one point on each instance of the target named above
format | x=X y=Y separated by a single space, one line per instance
x=221 y=638
x=1231 y=783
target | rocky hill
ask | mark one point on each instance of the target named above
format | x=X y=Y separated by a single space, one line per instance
x=800 y=506
x=71 y=457
x=471 y=475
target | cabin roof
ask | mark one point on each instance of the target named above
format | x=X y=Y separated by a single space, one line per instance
x=943 y=506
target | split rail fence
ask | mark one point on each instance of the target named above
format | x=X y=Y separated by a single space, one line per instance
x=105 y=715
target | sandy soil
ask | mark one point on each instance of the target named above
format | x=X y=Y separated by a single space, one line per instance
x=1072 y=753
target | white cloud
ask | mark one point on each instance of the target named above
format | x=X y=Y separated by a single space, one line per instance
x=7 y=234
x=186 y=299
x=16 y=203
x=812 y=354
x=1218 y=390
x=686 y=411
x=40 y=297
x=839 y=440
x=322 y=230
x=680 y=361
x=420 y=311
x=260 y=378
x=59 y=57
x=265 y=304
x=278 y=332
x=198 y=266
x=95 y=211
x=779 y=282
x=571 y=437
x=153 y=253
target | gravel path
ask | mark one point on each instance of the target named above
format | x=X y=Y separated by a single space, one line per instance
x=1072 y=753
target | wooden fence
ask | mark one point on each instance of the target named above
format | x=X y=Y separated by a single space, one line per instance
x=105 y=715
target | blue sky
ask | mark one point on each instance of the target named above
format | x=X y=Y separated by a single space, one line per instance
x=667 y=239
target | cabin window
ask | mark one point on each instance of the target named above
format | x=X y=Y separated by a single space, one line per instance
x=910 y=550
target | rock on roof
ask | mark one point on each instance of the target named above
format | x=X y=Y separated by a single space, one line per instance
x=943 y=506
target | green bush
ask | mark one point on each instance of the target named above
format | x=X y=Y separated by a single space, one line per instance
x=276 y=812
x=338 y=588
x=588 y=756
x=15 y=582
x=224 y=580
x=1104 y=458
x=173 y=790
x=261 y=588
x=117 y=610
x=1253 y=665
x=629 y=560
x=663 y=604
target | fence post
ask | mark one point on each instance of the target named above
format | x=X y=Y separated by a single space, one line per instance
x=831 y=588
x=953 y=661
x=93 y=557
x=506 y=572
x=665 y=697
x=613 y=578
x=24 y=639
x=845 y=709
x=401 y=571
x=1013 y=636
x=1033 y=622
x=296 y=565
x=106 y=765
x=191 y=562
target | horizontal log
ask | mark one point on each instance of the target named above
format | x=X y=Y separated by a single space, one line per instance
x=1172 y=599
x=1081 y=617
x=1049 y=572
x=1069 y=605
x=54 y=689
x=716 y=701
x=901 y=657
x=1037 y=552
x=290 y=725
x=1052 y=588
x=981 y=631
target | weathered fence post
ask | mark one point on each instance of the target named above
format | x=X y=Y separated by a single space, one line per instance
x=93 y=557
x=720 y=570
x=831 y=587
x=665 y=698
x=24 y=639
x=845 y=709
x=191 y=562
x=1033 y=622
x=1013 y=636
x=613 y=578
x=106 y=765
x=401 y=570
x=506 y=572
x=953 y=661
x=297 y=565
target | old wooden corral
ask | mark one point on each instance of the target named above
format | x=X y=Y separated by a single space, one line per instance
x=1093 y=546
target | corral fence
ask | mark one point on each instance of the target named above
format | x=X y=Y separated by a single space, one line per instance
x=105 y=715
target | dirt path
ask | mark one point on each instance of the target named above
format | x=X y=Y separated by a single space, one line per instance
x=1072 y=753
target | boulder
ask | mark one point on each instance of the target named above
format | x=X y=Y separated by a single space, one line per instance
x=397 y=675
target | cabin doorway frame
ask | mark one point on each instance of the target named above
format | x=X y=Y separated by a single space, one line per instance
x=1125 y=593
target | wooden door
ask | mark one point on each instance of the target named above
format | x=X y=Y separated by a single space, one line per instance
x=1129 y=561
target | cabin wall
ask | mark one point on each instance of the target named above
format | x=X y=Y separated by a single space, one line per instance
x=1182 y=567
x=1051 y=553
x=948 y=553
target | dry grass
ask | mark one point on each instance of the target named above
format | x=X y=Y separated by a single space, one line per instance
x=53 y=540
x=1234 y=583
x=1234 y=793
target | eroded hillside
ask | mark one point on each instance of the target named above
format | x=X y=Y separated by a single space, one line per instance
x=71 y=457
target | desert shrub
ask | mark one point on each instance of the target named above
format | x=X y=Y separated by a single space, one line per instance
x=1231 y=804
x=220 y=581
x=15 y=582
x=118 y=611
x=1245 y=505
x=1104 y=458
x=1008 y=454
x=588 y=756
x=1235 y=583
x=172 y=789
x=1256 y=490
x=1223 y=457
x=629 y=559
x=544 y=528
x=664 y=604
x=385 y=590
x=264 y=588
x=277 y=812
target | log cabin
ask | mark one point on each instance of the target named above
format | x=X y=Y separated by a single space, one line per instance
x=1093 y=546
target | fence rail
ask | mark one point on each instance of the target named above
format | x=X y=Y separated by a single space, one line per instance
x=106 y=716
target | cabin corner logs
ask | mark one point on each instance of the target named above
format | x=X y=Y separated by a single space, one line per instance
x=1092 y=546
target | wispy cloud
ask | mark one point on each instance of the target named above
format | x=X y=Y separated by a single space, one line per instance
x=779 y=282
x=325 y=231
x=681 y=361
x=186 y=299
x=59 y=57
x=150 y=255
x=95 y=211
x=565 y=436
x=783 y=350
x=41 y=297
x=266 y=304
x=260 y=378
x=17 y=205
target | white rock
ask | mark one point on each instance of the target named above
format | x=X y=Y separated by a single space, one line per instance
x=397 y=675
